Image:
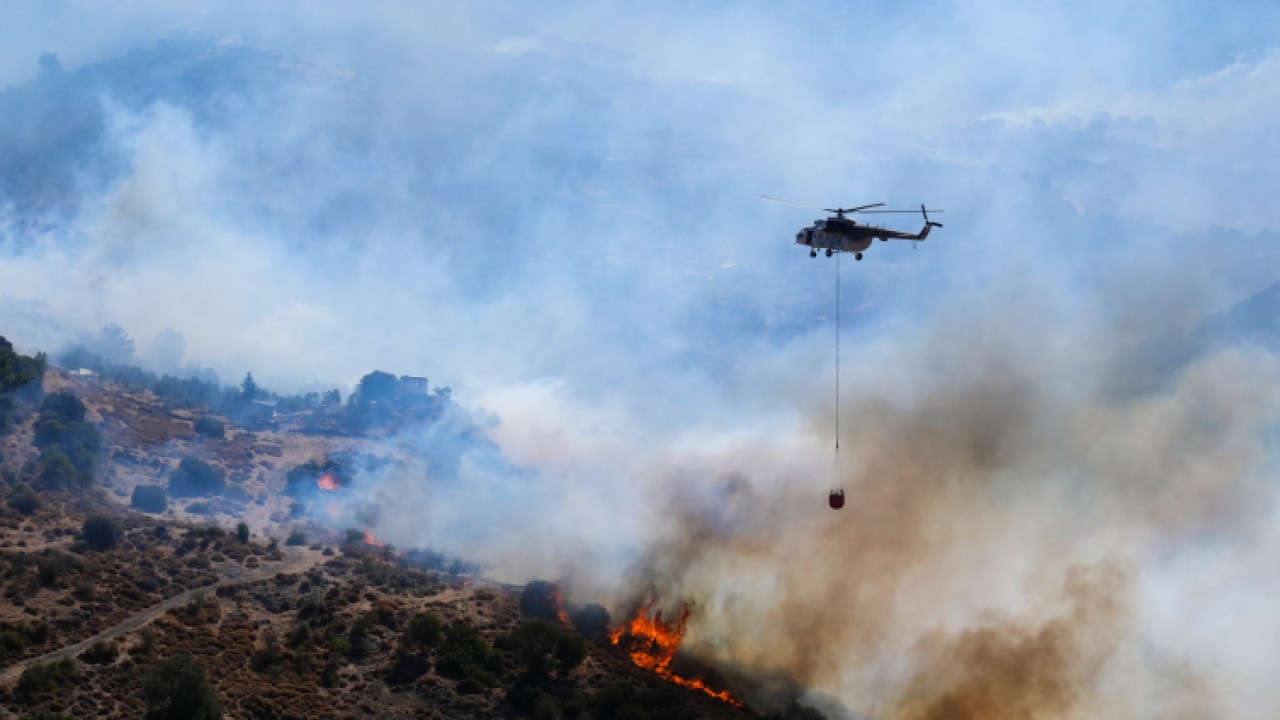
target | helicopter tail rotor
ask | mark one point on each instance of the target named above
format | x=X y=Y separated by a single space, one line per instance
x=927 y=221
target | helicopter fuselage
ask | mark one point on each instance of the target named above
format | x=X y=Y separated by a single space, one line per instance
x=842 y=234
x=837 y=235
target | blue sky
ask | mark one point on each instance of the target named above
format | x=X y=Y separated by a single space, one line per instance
x=553 y=208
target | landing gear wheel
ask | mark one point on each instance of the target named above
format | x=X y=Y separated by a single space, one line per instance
x=828 y=252
x=813 y=253
x=857 y=256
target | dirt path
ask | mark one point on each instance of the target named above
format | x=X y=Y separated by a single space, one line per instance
x=296 y=560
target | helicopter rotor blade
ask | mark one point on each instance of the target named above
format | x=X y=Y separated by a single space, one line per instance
x=871 y=212
x=780 y=201
x=860 y=208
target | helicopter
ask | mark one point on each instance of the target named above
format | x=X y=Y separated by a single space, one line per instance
x=842 y=234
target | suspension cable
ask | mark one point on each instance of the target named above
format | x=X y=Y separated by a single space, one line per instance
x=835 y=479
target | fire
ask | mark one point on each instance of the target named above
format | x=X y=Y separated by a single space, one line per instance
x=369 y=539
x=327 y=482
x=557 y=601
x=653 y=642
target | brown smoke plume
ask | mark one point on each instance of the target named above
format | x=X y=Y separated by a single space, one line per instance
x=994 y=479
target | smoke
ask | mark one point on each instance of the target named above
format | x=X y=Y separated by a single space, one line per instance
x=1059 y=476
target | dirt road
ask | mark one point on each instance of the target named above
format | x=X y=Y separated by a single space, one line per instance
x=296 y=560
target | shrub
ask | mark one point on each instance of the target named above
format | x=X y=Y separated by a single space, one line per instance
x=592 y=621
x=211 y=428
x=43 y=678
x=70 y=446
x=537 y=642
x=177 y=689
x=149 y=498
x=12 y=643
x=267 y=658
x=101 y=532
x=102 y=653
x=57 y=472
x=297 y=537
x=570 y=651
x=242 y=533
x=195 y=477
x=541 y=599
x=463 y=651
x=23 y=499
x=54 y=564
x=425 y=630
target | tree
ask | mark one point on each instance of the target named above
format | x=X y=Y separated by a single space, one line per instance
x=67 y=440
x=374 y=387
x=541 y=599
x=43 y=678
x=56 y=470
x=242 y=533
x=149 y=498
x=177 y=689
x=248 y=388
x=537 y=642
x=101 y=532
x=194 y=477
x=592 y=621
x=425 y=630
x=23 y=499
x=115 y=345
x=210 y=428
x=570 y=651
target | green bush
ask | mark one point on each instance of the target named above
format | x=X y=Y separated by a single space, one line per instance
x=70 y=446
x=195 y=477
x=149 y=498
x=23 y=499
x=211 y=428
x=569 y=652
x=297 y=537
x=54 y=564
x=57 y=472
x=425 y=630
x=177 y=689
x=268 y=657
x=464 y=650
x=102 y=653
x=12 y=642
x=592 y=621
x=101 y=532
x=43 y=678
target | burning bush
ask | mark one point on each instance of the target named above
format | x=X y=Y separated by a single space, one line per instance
x=542 y=599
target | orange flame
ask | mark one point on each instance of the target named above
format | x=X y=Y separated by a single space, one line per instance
x=558 y=601
x=653 y=642
x=327 y=482
x=369 y=539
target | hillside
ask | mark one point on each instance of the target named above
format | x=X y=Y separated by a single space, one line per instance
x=99 y=624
